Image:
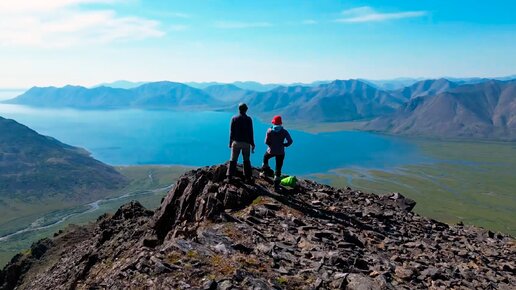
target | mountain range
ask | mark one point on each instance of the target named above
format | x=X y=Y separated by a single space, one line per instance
x=400 y=111
x=332 y=102
x=33 y=166
x=484 y=110
x=387 y=85
x=424 y=88
x=150 y=95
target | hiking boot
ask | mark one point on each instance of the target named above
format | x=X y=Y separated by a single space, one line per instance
x=248 y=170
x=232 y=168
x=277 y=182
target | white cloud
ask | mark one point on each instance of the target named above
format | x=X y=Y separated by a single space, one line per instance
x=241 y=25
x=368 y=14
x=26 y=6
x=63 y=23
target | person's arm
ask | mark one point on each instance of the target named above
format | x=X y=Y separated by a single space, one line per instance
x=267 y=138
x=231 y=130
x=252 y=134
x=289 y=139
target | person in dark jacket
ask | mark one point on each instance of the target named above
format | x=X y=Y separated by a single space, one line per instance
x=277 y=138
x=241 y=139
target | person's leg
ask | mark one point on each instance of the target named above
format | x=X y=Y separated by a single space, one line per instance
x=279 y=164
x=266 y=169
x=235 y=152
x=266 y=158
x=277 y=173
x=246 y=154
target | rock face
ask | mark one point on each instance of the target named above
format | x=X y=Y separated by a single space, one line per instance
x=210 y=234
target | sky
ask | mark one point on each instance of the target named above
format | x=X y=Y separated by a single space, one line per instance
x=86 y=42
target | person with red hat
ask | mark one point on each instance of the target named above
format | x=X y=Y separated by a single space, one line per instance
x=276 y=138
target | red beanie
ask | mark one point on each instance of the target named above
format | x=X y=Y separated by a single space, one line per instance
x=277 y=120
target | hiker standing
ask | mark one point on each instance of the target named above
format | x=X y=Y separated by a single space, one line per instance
x=277 y=138
x=241 y=138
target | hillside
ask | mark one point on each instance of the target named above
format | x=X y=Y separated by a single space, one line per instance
x=425 y=88
x=170 y=95
x=75 y=96
x=121 y=84
x=33 y=166
x=209 y=234
x=164 y=95
x=335 y=101
x=227 y=92
x=484 y=111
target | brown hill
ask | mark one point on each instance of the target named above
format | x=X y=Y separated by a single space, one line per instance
x=209 y=234
x=482 y=111
x=335 y=101
x=425 y=88
x=33 y=166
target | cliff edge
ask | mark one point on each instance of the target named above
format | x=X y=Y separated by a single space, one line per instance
x=210 y=234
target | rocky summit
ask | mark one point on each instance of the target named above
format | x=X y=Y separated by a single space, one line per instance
x=213 y=234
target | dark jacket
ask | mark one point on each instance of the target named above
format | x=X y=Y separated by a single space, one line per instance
x=241 y=129
x=276 y=141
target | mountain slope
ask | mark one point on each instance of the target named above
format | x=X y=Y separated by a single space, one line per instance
x=335 y=101
x=149 y=95
x=227 y=92
x=169 y=94
x=121 y=84
x=33 y=166
x=484 y=110
x=392 y=85
x=425 y=88
x=210 y=234
x=76 y=97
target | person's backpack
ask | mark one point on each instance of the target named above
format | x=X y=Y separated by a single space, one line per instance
x=289 y=181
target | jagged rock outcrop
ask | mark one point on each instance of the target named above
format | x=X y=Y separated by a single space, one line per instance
x=210 y=234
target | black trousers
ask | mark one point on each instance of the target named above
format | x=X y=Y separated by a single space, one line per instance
x=279 y=162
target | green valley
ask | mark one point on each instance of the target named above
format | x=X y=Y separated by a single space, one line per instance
x=469 y=182
x=147 y=184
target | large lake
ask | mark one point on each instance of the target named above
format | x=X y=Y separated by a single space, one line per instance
x=131 y=137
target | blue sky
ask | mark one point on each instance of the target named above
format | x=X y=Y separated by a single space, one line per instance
x=58 y=42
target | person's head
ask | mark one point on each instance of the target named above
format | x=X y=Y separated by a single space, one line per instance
x=242 y=108
x=276 y=120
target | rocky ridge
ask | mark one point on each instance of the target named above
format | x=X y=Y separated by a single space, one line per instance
x=210 y=234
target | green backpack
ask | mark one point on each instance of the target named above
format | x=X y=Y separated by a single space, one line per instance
x=289 y=181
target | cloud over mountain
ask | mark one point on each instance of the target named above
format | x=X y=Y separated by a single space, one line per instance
x=64 y=23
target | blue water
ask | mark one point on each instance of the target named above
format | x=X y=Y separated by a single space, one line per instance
x=130 y=137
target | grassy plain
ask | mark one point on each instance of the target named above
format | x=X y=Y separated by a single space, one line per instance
x=473 y=182
x=39 y=219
